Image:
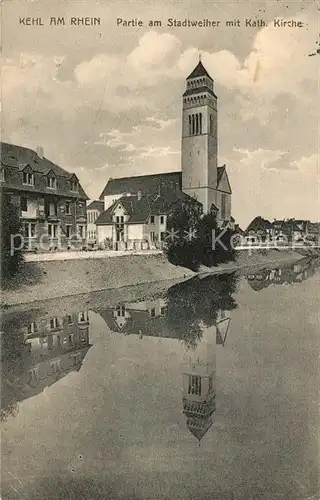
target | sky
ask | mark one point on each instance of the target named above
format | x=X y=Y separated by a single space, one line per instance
x=105 y=101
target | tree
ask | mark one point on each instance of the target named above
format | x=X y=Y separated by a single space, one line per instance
x=194 y=239
x=194 y=305
x=181 y=242
x=10 y=226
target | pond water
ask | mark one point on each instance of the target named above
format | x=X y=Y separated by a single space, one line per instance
x=208 y=390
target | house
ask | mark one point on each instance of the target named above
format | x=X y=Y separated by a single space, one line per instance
x=290 y=230
x=258 y=231
x=139 y=221
x=200 y=177
x=50 y=201
x=146 y=318
x=49 y=349
x=94 y=209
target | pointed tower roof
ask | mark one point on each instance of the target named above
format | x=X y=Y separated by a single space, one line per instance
x=199 y=432
x=198 y=71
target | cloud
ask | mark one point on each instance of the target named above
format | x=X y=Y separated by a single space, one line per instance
x=263 y=158
x=277 y=63
x=308 y=164
x=155 y=52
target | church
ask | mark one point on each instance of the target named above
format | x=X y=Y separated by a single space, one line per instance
x=135 y=208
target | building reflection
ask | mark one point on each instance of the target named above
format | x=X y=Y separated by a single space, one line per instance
x=145 y=318
x=284 y=275
x=200 y=322
x=38 y=351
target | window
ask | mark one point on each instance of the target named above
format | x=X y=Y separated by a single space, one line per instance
x=32 y=328
x=68 y=207
x=68 y=230
x=74 y=185
x=70 y=320
x=211 y=124
x=195 y=124
x=120 y=311
x=210 y=384
x=194 y=385
x=53 y=230
x=163 y=311
x=151 y=219
x=2 y=174
x=223 y=205
x=152 y=312
x=52 y=211
x=161 y=219
x=120 y=219
x=162 y=236
x=56 y=366
x=52 y=182
x=34 y=376
x=28 y=178
x=81 y=231
x=24 y=204
x=54 y=323
x=81 y=208
x=83 y=316
x=153 y=236
x=29 y=229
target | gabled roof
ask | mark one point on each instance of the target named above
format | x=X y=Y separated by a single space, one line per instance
x=96 y=205
x=198 y=71
x=147 y=184
x=139 y=321
x=259 y=223
x=18 y=157
x=140 y=210
x=222 y=173
x=151 y=183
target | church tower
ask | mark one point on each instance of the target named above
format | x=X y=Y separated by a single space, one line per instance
x=199 y=138
x=199 y=382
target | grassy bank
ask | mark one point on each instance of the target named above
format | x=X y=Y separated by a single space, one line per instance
x=49 y=280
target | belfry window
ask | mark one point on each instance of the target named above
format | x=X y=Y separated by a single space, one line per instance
x=194 y=385
x=211 y=124
x=195 y=124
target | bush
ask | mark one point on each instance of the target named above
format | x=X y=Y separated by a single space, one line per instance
x=10 y=225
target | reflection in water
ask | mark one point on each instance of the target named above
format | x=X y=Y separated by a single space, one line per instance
x=285 y=275
x=37 y=352
x=142 y=405
x=196 y=313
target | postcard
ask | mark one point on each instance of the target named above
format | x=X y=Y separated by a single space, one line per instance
x=160 y=250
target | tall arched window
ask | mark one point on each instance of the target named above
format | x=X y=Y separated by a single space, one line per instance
x=200 y=123
x=211 y=124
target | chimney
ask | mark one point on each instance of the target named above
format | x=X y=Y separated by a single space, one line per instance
x=139 y=195
x=40 y=151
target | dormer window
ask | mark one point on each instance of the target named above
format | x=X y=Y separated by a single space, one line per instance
x=74 y=185
x=28 y=178
x=51 y=182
